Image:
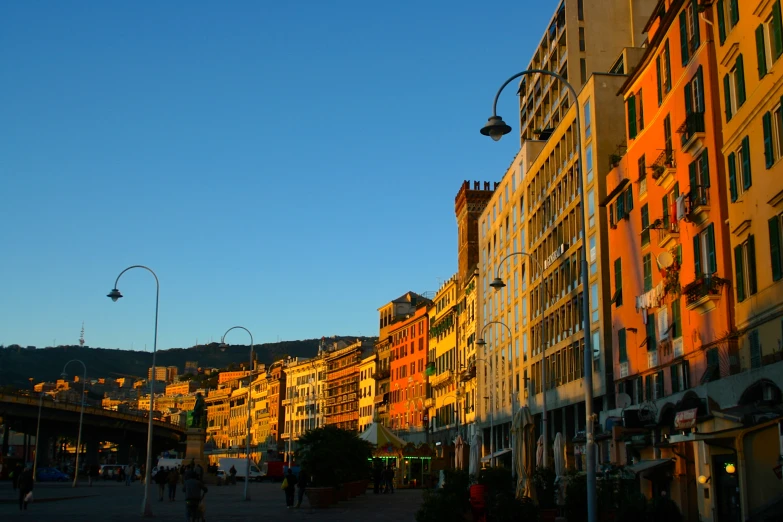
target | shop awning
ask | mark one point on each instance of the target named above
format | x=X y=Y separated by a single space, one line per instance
x=644 y=467
x=487 y=458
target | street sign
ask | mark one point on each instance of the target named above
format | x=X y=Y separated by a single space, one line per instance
x=685 y=420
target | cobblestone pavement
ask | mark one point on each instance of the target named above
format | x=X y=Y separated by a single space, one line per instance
x=116 y=502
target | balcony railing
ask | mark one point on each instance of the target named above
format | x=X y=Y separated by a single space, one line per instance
x=704 y=286
x=698 y=203
x=691 y=129
x=663 y=166
x=667 y=228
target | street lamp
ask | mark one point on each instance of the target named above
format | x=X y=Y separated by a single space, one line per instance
x=37 y=433
x=497 y=284
x=114 y=295
x=481 y=342
x=81 y=418
x=496 y=128
x=223 y=346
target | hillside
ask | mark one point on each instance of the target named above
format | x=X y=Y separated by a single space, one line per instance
x=18 y=364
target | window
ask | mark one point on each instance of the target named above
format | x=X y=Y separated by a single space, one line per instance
x=667 y=137
x=630 y=107
x=739 y=162
x=652 y=343
x=699 y=178
x=641 y=166
x=617 y=299
x=728 y=17
x=704 y=259
x=734 y=88
x=676 y=327
x=621 y=348
x=594 y=302
x=647 y=269
x=774 y=248
x=587 y=117
x=593 y=256
x=663 y=72
x=581 y=38
x=762 y=56
x=776 y=31
x=583 y=70
x=689 y=31
x=745 y=268
x=590 y=208
x=772 y=123
x=755 y=349
x=694 y=93
x=645 y=225
x=589 y=161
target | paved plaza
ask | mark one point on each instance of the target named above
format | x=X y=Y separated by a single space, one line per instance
x=112 y=501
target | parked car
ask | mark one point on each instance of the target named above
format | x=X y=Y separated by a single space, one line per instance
x=222 y=478
x=51 y=475
x=110 y=471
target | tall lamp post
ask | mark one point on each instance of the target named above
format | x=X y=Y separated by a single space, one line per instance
x=497 y=284
x=81 y=419
x=223 y=346
x=114 y=295
x=481 y=342
x=496 y=128
x=37 y=433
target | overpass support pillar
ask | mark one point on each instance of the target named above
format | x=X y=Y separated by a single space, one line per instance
x=6 y=438
x=91 y=457
x=123 y=453
x=42 y=446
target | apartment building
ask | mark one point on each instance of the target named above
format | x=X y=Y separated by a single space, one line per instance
x=305 y=383
x=217 y=403
x=581 y=38
x=443 y=364
x=276 y=393
x=181 y=388
x=342 y=384
x=259 y=397
x=367 y=373
x=238 y=405
x=408 y=381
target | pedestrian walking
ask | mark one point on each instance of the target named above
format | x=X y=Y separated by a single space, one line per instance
x=128 y=474
x=92 y=473
x=377 y=475
x=15 y=474
x=160 y=480
x=173 y=480
x=289 y=486
x=388 y=475
x=26 y=484
x=233 y=473
x=194 y=496
x=304 y=479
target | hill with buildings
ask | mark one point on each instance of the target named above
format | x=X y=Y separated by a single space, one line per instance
x=18 y=364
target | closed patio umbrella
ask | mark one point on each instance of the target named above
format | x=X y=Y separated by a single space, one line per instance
x=540 y=452
x=523 y=451
x=475 y=455
x=560 y=468
x=459 y=446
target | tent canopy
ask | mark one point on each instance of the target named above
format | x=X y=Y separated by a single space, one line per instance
x=379 y=435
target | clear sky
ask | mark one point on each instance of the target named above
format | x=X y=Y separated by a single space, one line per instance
x=286 y=166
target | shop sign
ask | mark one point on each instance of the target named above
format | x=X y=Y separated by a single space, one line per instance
x=685 y=420
x=559 y=251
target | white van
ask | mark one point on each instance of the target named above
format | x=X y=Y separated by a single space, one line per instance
x=256 y=474
x=168 y=463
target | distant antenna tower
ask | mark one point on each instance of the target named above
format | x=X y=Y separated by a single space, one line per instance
x=81 y=337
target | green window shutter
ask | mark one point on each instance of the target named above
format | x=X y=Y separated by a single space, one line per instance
x=652 y=344
x=727 y=96
x=688 y=98
x=695 y=37
x=659 y=389
x=629 y=199
x=777 y=30
x=704 y=174
x=693 y=179
x=740 y=72
x=697 y=255
x=631 y=106
x=774 y=248
x=674 y=377
x=648 y=387
x=746 y=178
x=676 y=319
x=712 y=260
x=700 y=92
x=761 y=51
x=667 y=57
x=647 y=271
x=769 y=156
x=641 y=110
x=686 y=374
x=618 y=281
x=665 y=205
x=620 y=208
x=684 y=47
x=721 y=22
x=621 y=346
x=739 y=273
x=734 y=12
x=658 y=78
x=752 y=288
x=733 y=176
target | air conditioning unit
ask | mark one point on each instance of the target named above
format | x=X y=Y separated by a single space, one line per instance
x=677 y=347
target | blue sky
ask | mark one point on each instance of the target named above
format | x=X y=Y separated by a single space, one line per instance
x=285 y=166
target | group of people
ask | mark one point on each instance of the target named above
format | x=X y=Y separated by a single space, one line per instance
x=290 y=484
x=191 y=477
x=383 y=479
x=22 y=479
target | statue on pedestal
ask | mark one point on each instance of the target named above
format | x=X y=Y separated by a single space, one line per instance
x=198 y=420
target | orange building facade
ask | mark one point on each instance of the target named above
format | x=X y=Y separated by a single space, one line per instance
x=408 y=377
x=666 y=200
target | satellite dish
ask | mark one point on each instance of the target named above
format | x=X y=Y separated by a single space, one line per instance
x=623 y=400
x=665 y=259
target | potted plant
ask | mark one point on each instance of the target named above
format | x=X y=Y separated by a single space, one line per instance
x=546 y=492
x=657 y=171
x=614 y=160
x=450 y=502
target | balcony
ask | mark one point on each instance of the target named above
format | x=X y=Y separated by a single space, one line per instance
x=429 y=403
x=664 y=168
x=379 y=375
x=468 y=373
x=441 y=379
x=698 y=204
x=692 y=133
x=668 y=231
x=702 y=294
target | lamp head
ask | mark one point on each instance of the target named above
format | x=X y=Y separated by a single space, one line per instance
x=63 y=375
x=481 y=342
x=497 y=283
x=703 y=480
x=114 y=294
x=495 y=128
x=223 y=346
x=730 y=468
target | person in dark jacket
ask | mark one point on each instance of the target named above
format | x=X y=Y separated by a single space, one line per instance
x=377 y=476
x=25 y=486
x=302 y=482
x=15 y=474
x=290 y=488
x=161 y=477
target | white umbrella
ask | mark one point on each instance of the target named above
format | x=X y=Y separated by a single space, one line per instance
x=560 y=468
x=523 y=446
x=459 y=458
x=540 y=452
x=475 y=455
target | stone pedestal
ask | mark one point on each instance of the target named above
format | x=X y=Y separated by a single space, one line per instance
x=194 y=451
